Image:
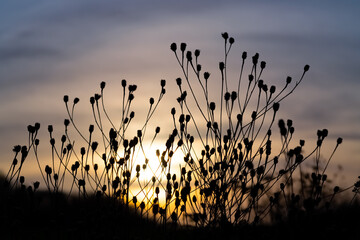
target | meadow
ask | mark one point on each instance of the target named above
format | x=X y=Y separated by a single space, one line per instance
x=228 y=168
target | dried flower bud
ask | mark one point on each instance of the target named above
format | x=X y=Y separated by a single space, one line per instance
x=262 y=64
x=36 y=185
x=251 y=77
x=48 y=170
x=306 y=68
x=227 y=96
x=288 y=80
x=206 y=75
x=94 y=146
x=212 y=106
x=197 y=53
x=139 y=133
x=231 y=40
x=163 y=82
x=255 y=58
x=276 y=106
x=221 y=66
x=272 y=89
x=22 y=179
x=81 y=182
x=102 y=85
x=66 y=98
x=189 y=56
x=325 y=133
x=92 y=100
x=233 y=96
x=339 y=140
x=76 y=100
x=31 y=129
x=157 y=190
x=198 y=67
x=173 y=47
x=244 y=55
x=225 y=35
x=123 y=83
x=50 y=128
x=17 y=148
x=66 y=122
x=132 y=88
x=178 y=81
x=239 y=118
x=151 y=101
x=183 y=47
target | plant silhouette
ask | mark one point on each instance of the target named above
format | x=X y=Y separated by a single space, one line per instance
x=233 y=173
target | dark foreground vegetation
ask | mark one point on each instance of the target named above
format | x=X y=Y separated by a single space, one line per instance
x=42 y=215
x=234 y=180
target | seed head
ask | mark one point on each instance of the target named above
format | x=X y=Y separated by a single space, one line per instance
x=212 y=106
x=221 y=66
x=233 y=96
x=151 y=100
x=306 y=68
x=244 y=55
x=132 y=114
x=66 y=122
x=272 y=89
x=183 y=47
x=225 y=35
x=48 y=170
x=36 y=185
x=227 y=96
x=231 y=40
x=262 y=64
x=206 y=75
x=173 y=47
x=17 y=148
x=163 y=82
x=189 y=56
x=123 y=83
x=276 y=106
x=251 y=77
x=197 y=53
x=92 y=100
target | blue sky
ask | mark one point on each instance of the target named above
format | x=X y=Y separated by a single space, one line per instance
x=52 y=48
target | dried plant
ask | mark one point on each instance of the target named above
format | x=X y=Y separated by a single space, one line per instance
x=230 y=171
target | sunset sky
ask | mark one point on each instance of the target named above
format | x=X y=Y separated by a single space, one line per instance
x=52 y=48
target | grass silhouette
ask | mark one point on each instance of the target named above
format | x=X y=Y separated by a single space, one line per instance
x=232 y=182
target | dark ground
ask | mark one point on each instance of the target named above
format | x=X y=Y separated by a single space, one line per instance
x=44 y=216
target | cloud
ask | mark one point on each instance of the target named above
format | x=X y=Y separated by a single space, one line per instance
x=27 y=52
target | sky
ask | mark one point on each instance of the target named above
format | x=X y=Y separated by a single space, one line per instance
x=52 y=48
